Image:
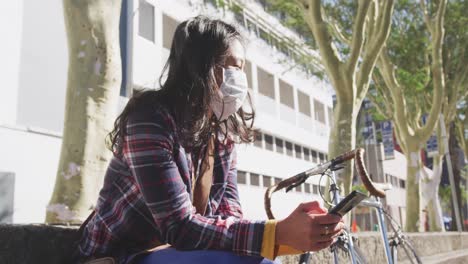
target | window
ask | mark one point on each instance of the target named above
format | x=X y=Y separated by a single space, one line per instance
x=286 y=94
x=315 y=189
x=322 y=157
x=274 y=42
x=402 y=183
x=306 y=154
x=277 y=180
x=395 y=181
x=279 y=145
x=298 y=150
x=241 y=177
x=251 y=26
x=254 y=179
x=298 y=188
x=307 y=188
x=319 y=110
x=266 y=181
x=283 y=48
x=169 y=27
x=264 y=35
x=314 y=156
x=258 y=140
x=268 y=142
x=289 y=148
x=266 y=84
x=330 y=116
x=304 y=103
x=248 y=72
x=322 y=189
x=146 y=20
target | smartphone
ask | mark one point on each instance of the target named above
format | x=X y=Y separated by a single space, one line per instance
x=348 y=203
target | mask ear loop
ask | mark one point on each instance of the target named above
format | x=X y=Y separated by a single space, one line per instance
x=222 y=109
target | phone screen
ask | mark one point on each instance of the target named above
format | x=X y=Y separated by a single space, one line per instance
x=348 y=203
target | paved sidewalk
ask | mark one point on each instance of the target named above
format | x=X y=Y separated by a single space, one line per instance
x=454 y=257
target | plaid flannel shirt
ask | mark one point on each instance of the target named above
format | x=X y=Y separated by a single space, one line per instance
x=146 y=197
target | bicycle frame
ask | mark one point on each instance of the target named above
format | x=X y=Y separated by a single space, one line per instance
x=377 y=204
x=332 y=165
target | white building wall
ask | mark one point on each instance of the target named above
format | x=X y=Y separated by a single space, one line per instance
x=32 y=101
x=263 y=162
x=395 y=171
x=11 y=22
x=37 y=54
x=43 y=66
x=33 y=158
x=396 y=167
x=34 y=72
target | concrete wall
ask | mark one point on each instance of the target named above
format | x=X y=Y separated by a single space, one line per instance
x=431 y=247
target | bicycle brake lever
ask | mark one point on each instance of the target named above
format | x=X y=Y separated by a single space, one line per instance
x=296 y=184
x=337 y=167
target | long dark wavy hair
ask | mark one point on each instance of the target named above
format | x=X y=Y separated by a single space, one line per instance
x=199 y=44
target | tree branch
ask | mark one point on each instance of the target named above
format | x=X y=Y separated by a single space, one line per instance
x=387 y=70
x=437 y=36
x=338 y=32
x=329 y=55
x=378 y=107
x=460 y=135
x=375 y=47
x=400 y=138
x=359 y=30
x=427 y=18
x=371 y=24
x=384 y=92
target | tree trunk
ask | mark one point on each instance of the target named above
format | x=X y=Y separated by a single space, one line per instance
x=454 y=155
x=413 y=214
x=94 y=77
x=343 y=137
x=430 y=196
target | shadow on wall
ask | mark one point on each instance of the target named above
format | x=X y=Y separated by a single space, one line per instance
x=7 y=190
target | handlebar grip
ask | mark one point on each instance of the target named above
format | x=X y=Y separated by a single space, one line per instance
x=359 y=161
x=357 y=154
x=346 y=156
x=281 y=185
x=269 y=192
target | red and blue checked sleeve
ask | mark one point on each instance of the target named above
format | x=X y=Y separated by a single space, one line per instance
x=147 y=149
x=230 y=204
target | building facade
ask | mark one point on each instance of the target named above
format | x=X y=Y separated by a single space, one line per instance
x=294 y=108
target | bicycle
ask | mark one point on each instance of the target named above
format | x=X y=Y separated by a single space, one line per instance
x=346 y=241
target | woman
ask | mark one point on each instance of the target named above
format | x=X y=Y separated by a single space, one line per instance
x=172 y=179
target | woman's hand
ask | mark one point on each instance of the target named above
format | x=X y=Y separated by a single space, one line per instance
x=308 y=228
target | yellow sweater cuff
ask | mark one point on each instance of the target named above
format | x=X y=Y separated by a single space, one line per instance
x=269 y=249
x=268 y=242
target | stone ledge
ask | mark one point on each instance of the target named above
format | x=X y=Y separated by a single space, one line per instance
x=52 y=244
x=36 y=243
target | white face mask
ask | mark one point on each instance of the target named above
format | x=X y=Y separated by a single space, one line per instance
x=231 y=94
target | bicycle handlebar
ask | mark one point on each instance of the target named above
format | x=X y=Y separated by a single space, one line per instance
x=357 y=154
